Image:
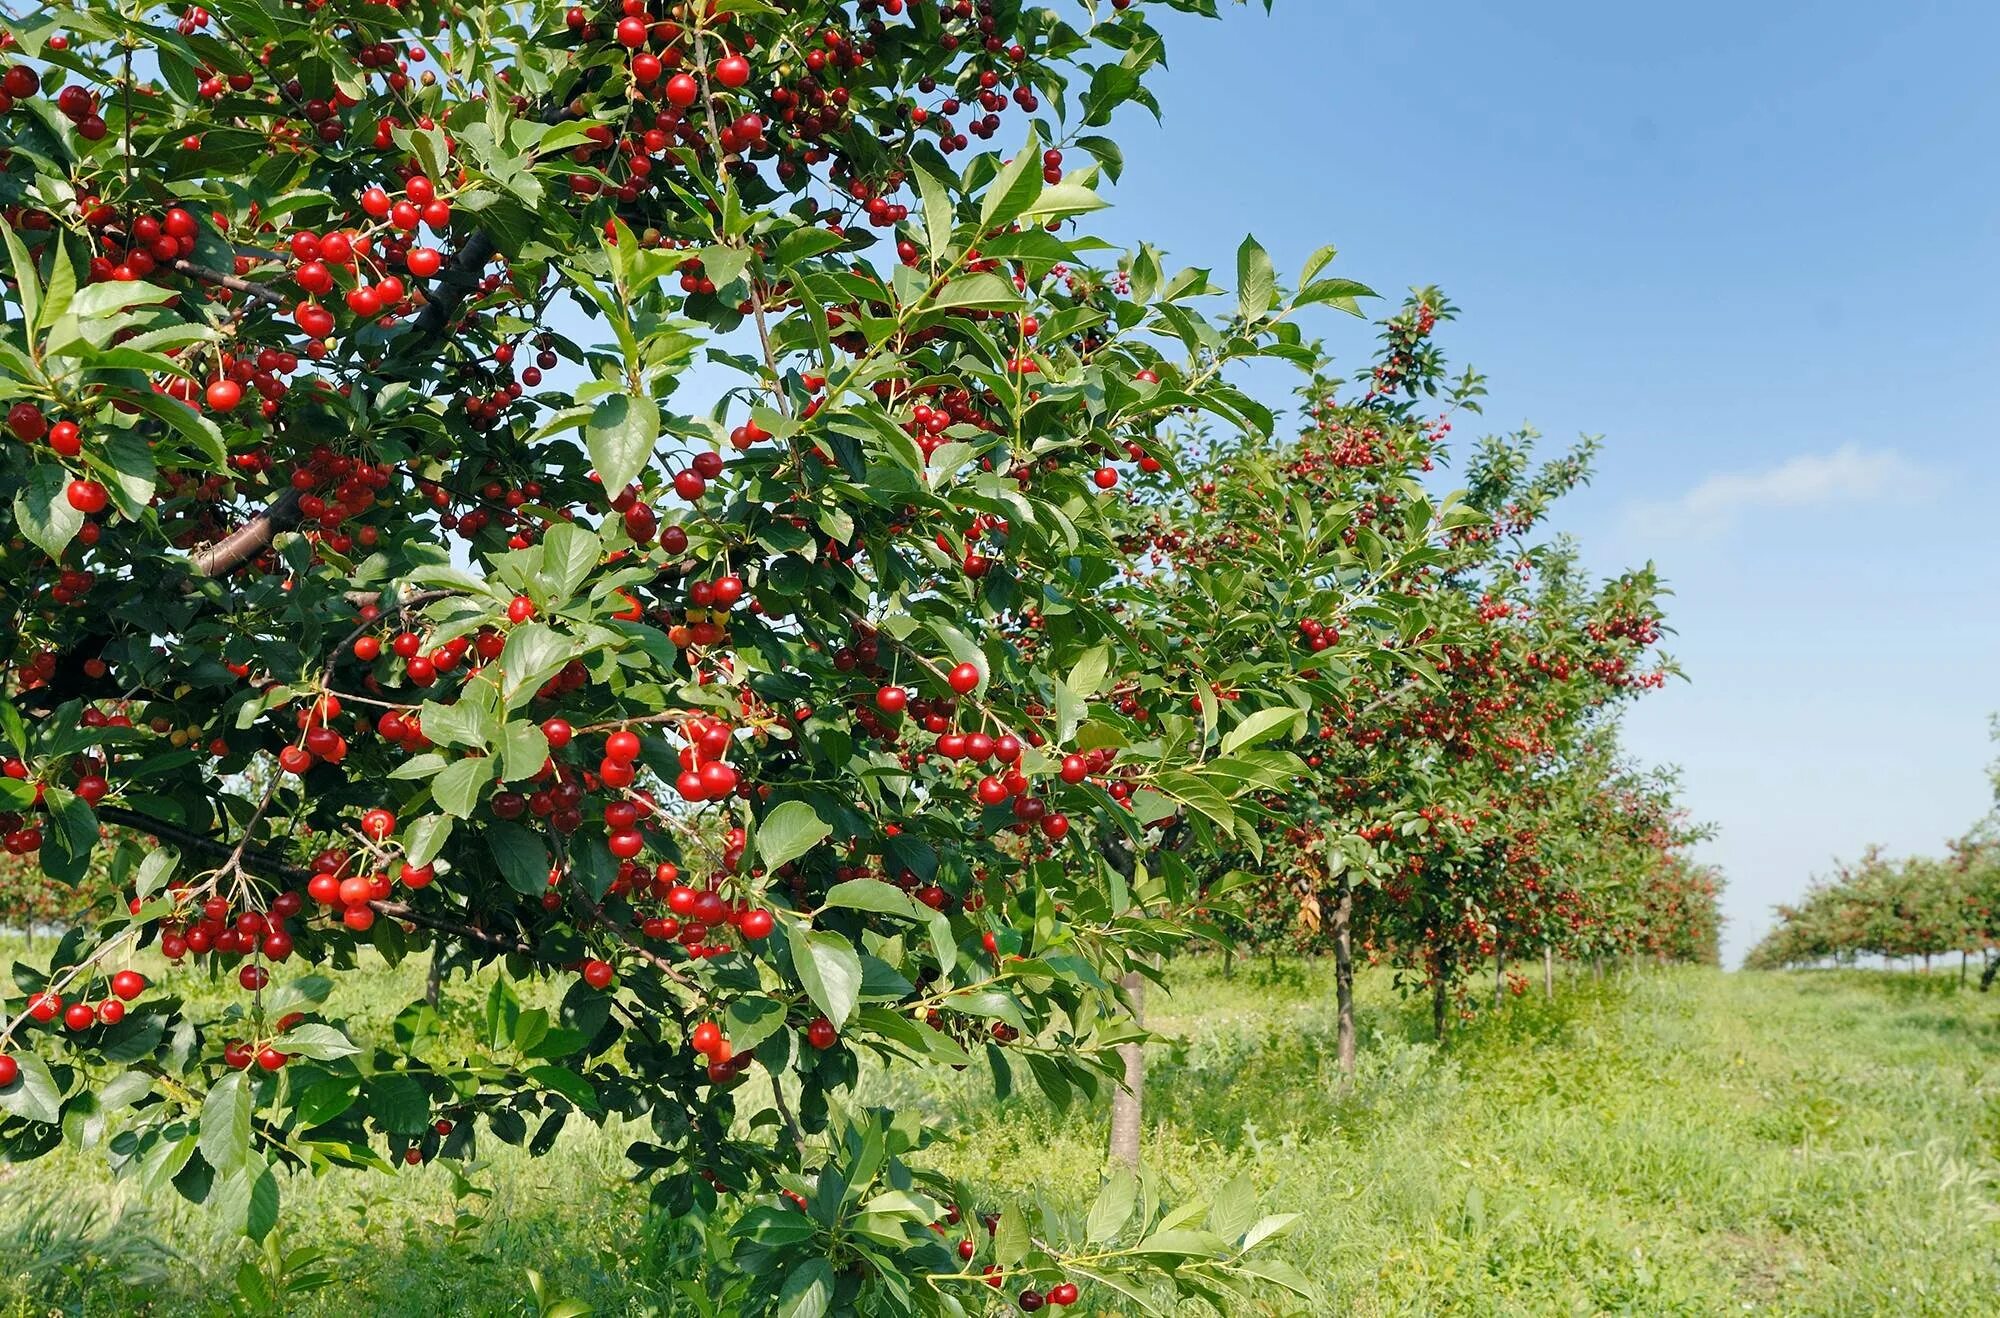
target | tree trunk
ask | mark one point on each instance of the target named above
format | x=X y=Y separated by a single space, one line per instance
x=1343 y=974
x=434 y=978
x=1549 y=971
x=1499 y=977
x=1992 y=968
x=1127 y=1103
x=1229 y=963
x=1437 y=1008
x=1927 y=963
x=1964 y=959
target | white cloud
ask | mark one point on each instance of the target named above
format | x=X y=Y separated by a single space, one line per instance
x=1810 y=480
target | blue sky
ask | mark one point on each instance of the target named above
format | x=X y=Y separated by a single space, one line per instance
x=1757 y=248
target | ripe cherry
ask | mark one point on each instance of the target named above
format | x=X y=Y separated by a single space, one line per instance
x=622 y=745
x=224 y=395
x=520 y=609
x=377 y=824
x=757 y=925
x=10 y=1070
x=963 y=679
x=732 y=71
x=706 y=1038
x=87 y=496
x=128 y=984
x=893 y=699
x=79 y=1016
x=1105 y=477
x=821 y=1034
x=598 y=974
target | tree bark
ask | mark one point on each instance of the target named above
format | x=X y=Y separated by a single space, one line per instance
x=1343 y=974
x=1964 y=960
x=1499 y=978
x=1549 y=971
x=1992 y=968
x=434 y=977
x=1437 y=1008
x=1128 y=1101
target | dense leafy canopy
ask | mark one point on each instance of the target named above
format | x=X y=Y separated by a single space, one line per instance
x=887 y=703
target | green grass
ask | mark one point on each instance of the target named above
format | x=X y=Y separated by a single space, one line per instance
x=1675 y=1142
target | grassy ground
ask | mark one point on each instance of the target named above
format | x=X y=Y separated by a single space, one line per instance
x=1680 y=1142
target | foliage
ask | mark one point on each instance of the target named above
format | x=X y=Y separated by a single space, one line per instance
x=1916 y=906
x=375 y=580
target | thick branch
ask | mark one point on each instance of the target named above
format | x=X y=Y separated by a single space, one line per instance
x=250 y=539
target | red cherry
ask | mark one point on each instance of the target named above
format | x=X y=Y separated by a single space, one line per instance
x=377 y=824
x=598 y=974
x=706 y=1038
x=893 y=699
x=27 y=422
x=10 y=1070
x=963 y=679
x=631 y=32
x=683 y=90
x=87 y=496
x=757 y=925
x=128 y=984
x=520 y=609
x=1105 y=477
x=622 y=745
x=224 y=395
x=821 y=1034
x=732 y=71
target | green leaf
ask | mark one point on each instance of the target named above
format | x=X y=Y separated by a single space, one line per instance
x=1337 y=292
x=1010 y=1237
x=804 y=244
x=1260 y=726
x=533 y=654
x=425 y=838
x=937 y=205
x=42 y=511
x=984 y=292
x=788 y=832
x=569 y=552
x=520 y=855
x=620 y=435
x=1059 y=200
x=225 y=1123
x=753 y=1019
x=871 y=895
x=96 y=300
x=1234 y=1209
x=1183 y=1243
x=322 y=1043
x=1256 y=280
x=33 y=1095
x=398 y=1104
x=456 y=790
x=1086 y=679
x=1016 y=186
x=524 y=748
x=829 y=970
x=247 y=1198
x=807 y=1292
x=1113 y=1207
